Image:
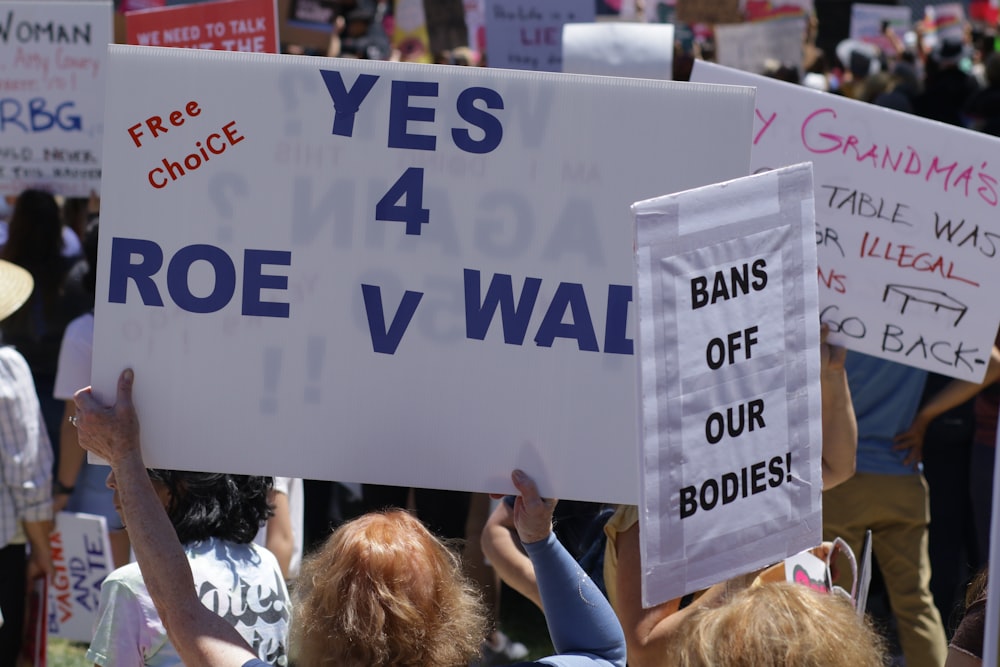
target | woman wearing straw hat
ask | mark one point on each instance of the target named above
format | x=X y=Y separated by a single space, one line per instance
x=25 y=474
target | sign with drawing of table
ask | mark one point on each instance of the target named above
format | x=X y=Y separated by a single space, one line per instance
x=52 y=95
x=907 y=225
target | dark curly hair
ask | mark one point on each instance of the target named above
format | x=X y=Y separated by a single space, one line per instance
x=204 y=505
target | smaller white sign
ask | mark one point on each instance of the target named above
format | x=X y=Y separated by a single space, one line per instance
x=81 y=559
x=639 y=50
x=522 y=34
x=748 y=46
x=728 y=340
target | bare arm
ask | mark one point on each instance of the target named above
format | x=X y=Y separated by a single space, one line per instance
x=502 y=546
x=952 y=394
x=201 y=637
x=648 y=630
x=840 y=427
x=71 y=457
x=280 y=540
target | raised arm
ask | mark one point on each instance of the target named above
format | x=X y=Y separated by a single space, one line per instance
x=502 y=547
x=582 y=624
x=202 y=638
x=840 y=427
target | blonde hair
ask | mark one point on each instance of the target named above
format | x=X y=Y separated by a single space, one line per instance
x=383 y=591
x=776 y=625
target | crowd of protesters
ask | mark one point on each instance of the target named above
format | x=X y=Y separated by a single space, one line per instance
x=906 y=454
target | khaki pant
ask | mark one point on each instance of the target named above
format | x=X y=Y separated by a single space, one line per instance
x=895 y=508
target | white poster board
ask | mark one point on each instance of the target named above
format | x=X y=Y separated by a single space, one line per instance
x=729 y=374
x=748 y=46
x=306 y=333
x=523 y=34
x=81 y=559
x=641 y=50
x=52 y=94
x=867 y=20
x=907 y=226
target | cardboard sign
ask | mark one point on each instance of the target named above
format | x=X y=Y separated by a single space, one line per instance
x=866 y=23
x=521 y=34
x=306 y=23
x=226 y=25
x=52 y=95
x=748 y=46
x=728 y=344
x=81 y=556
x=708 y=11
x=641 y=50
x=907 y=229
x=386 y=272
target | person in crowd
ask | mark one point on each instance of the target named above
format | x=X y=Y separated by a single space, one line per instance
x=888 y=494
x=966 y=647
x=983 y=108
x=79 y=486
x=215 y=517
x=776 y=625
x=381 y=591
x=35 y=242
x=25 y=475
x=282 y=534
x=947 y=87
x=648 y=629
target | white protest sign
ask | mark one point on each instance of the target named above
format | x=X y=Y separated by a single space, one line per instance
x=81 y=559
x=522 y=34
x=52 y=94
x=907 y=224
x=748 y=46
x=867 y=21
x=728 y=344
x=642 y=50
x=386 y=272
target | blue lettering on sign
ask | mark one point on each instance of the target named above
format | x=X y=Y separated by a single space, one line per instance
x=479 y=315
x=472 y=104
x=401 y=113
x=150 y=260
x=346 y=102
x=386 y=340
x=571 y=297
x=37 y=117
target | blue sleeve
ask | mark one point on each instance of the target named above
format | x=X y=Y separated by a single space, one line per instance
x=255 y=663
x=582 y=624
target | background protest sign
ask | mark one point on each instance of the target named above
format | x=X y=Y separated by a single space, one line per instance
x=52 y=95
x=226 y=25
x=728 y=349
x=521 y=34
x=385 y=272
x=907 y=229
x=643 y=50
x=81 y=559
x=867 y=21
x=748 y=46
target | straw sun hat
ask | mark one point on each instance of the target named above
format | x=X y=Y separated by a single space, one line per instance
x=15 y=288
